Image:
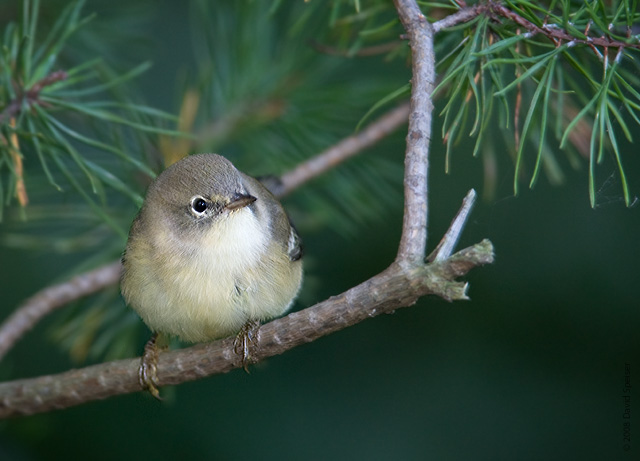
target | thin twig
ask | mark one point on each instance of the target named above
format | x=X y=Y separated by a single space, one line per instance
x=462 y=15
x=556 y=34
x=25 y=317
x=345 y=149
x=452 y=236
x=414 y=225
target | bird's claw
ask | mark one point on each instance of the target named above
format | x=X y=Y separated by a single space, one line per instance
x=246 y=343
x=148 y=371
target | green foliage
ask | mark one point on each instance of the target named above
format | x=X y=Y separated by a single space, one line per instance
x=565 y=68
x=48 y=113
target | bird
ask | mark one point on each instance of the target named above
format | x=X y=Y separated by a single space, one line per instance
x=211 y=253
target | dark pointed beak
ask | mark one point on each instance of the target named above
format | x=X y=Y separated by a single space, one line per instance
x=240 y=201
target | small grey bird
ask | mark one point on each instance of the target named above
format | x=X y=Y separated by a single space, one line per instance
x=211 y=251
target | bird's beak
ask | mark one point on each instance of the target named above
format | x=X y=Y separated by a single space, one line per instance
x=240 y=201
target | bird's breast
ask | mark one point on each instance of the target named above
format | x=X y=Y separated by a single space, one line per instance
x=213 y=282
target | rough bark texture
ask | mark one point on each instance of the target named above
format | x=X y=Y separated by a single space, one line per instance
x=414 y=226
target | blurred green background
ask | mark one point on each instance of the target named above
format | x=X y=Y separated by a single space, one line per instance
x=531 y=368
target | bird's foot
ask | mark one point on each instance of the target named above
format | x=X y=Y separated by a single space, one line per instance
x=246 y=343
x=148 y=371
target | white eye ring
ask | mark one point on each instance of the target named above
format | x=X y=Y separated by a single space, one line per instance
x=198 y=205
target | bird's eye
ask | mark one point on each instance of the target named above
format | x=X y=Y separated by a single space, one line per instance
x=198 y=204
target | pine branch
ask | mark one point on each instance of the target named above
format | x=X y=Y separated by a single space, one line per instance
x=554 y=33
x=554 y=67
